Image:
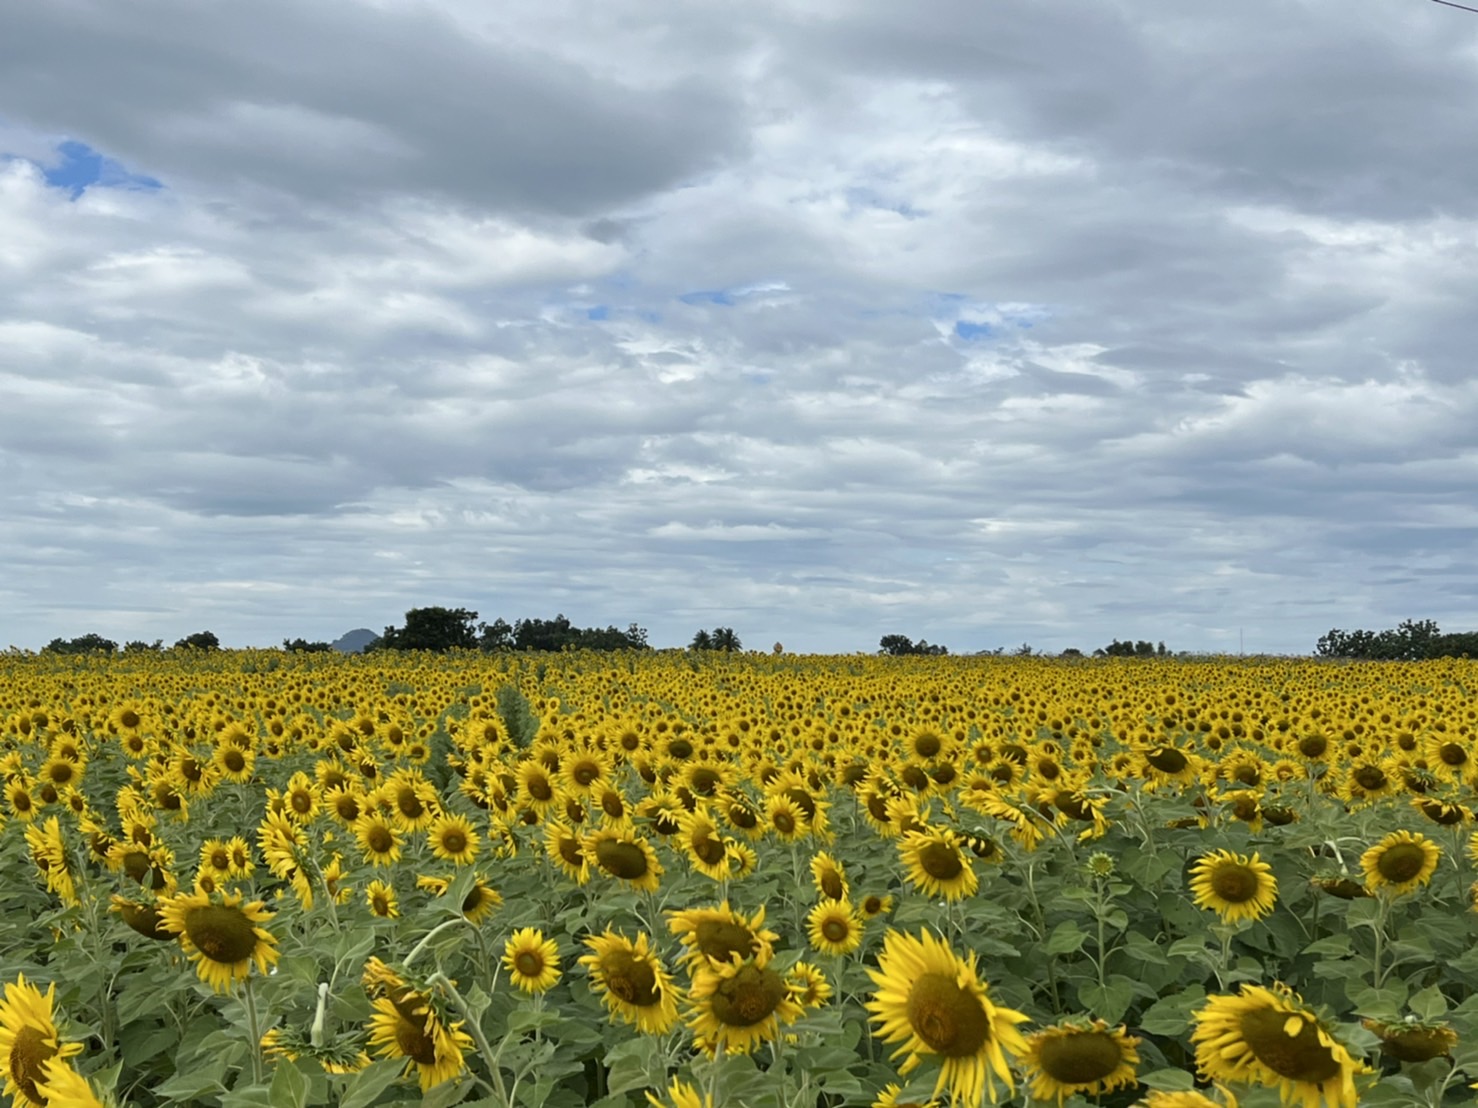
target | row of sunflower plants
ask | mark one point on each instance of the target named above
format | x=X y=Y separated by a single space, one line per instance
x=882 y=892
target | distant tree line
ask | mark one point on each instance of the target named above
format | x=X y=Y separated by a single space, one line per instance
x=899 y=645
x=442 y=629
x=97 y=644
x=1141 y=648
x=720 y=638
x=1410 y=641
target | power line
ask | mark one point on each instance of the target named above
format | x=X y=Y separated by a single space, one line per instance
x=1450 y=4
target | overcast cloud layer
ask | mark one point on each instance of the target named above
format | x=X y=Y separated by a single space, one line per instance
x=820 y=319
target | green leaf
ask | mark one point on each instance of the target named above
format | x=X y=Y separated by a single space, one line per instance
x=251 y=1096
x=1336 y=945
x=289 y=1086
x=1143 y=949
x=1108 y=1001
x=1065 y=939
x=445 y=1095
x=1428 y=1004
x=1172 y=1015
x=630 y=1063
x=191 y=1085
x=1171 y=1081
x=369 y=1083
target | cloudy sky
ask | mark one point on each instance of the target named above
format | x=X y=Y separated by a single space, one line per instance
x=985 y=323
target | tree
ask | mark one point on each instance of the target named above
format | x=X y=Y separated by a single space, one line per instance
x=201 y=640
x=702 y=640
x=83 y=644
x=497 y=635
x=138 y=646
x=435 y=629
x=724 y=639
x=303 y=646
x=899 y=645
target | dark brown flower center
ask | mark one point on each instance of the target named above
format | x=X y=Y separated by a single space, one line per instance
x=1401 y=862
x=1167 y=759
x=621 y=859
x=940 y=861
x=28 y=1057
x=453 y=841
x=630 y=978
x=749 y=997
x=223 y=934
x=836 y=930
x=529 y=963
x=379 y=838
x=831 y=885
x=709 y=851
x=720 y=938
x=1370 y=778
x=1300 y=1057
x=1080 y=1058
x=950 y=1020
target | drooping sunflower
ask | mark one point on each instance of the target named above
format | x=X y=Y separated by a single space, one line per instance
x=566 y=850
x=1413 y=1040
x=1269 y=1037
x=1187 y=1098
x=935 y=863
x=808 y=985
x=221 y=938
x=834 y=927
x=1400 y=862
x=1235 y=886
x=28 y=1040
x=632 y=981
x=721 y=934
x=141 y=918
x=406 y=1025
x=49 y=853
x=532 y=960
x=1079 y=1056
x=738 y=1005
x=933 y=1002
x=453 y=840
x=627 y=857
x=698 y=838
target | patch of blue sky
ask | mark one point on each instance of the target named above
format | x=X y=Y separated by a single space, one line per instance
x=709 y=296
x=971 y=331
x=598 y=313
x=861 y=197
x=80 y=167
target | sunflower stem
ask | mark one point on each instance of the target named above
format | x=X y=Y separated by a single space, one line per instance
x=474 y=1028
x=437 y=930
x=253 y=1029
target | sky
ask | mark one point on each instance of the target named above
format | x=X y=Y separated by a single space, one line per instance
x=987 y=324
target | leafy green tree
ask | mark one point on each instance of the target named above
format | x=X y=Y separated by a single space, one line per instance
x=702 y=640
x=201 y=640
x=138 y=646
x=303 y=646
x=434 y=629
x=899 y=645
x=724 y=639
x=83 y=644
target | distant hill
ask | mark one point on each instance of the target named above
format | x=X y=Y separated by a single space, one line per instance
x=354 y=642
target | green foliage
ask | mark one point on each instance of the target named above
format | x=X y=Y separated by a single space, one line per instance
x=83 y=644
x=899 y=645
x=1410 y=641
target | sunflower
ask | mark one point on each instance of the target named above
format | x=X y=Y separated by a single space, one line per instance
x=934 y=1003
x=1236 y=887
x=301 y=798
x=49 y=853
x=680 y=1095
x=627 y=857
x=479 y=903
x=707 y=851
x=786 y=818
x=829 y=877
x=834 y=927
x=537 y=788
x=808 y=985
x=380 y=895
x=28 y=1040
x=1188 y=1098
x=234 y=762
x=532 y=960
x=632 y=981
x=735 y=1006
x=720 y=935
x=872 y=906
x=1413 y=1040
x=888 y=1098
x=64 y=1087
x=141 y=918
x=453 y=839
x=1079 y=1056
x=565 y=849
x=222 y=939
x=377 y=839
x=1268 y=1037
x=1400 y=862
x=414 y=800
x=935 y=864
x=404 y=1024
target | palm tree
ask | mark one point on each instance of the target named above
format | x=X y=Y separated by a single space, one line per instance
x=724 y=639
x=701 y=641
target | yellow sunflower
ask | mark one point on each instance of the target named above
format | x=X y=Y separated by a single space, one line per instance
x=1269 y=1037
x=935 y=863
x=680 y=1095
x=378 y=841
x=453 y=839
x=933 y=1002
x=142 y=918
x=808 y=985
x=404 y=1024
x=834 y=927
x=1079 y=1057
x=380 y=895
x=629 y=858
x=1236 y=887
x=532 y=960
x=829 y=877
x=632 y=981
x=29 y=1040
x=1400 y=862
x=738 y=1005
x=1187 y=1098
x=565 y=848
x=721 y=934
x=222 y=939
x=1413 y=1040
x=888 y=1098
x=64 y=1087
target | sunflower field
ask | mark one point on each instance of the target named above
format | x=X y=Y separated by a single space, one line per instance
x=664 y=878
